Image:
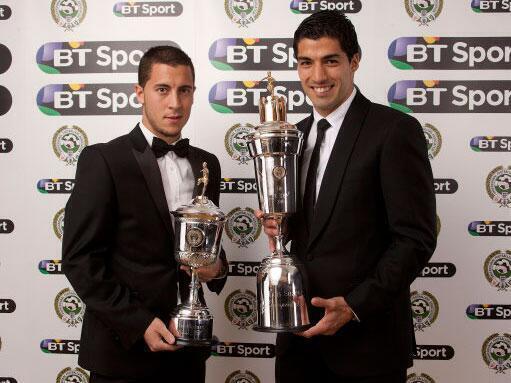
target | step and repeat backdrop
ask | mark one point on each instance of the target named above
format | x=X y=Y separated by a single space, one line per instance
x=67 y=70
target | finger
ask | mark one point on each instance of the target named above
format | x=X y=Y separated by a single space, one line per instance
x=321 y=302
x=173 y=329
x=167 y=336
x=185 y=269
x=258 y=213
x=318 y=329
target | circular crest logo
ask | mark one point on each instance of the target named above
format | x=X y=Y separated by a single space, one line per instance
x=236 y=142
x=58 y=223
x=69 y=307
x=424 y=309
x=433 y=140
x=195 y=237
x=498 y=185
x=497 y=269
x=243 y=12
x=240 y=308
x=68 y=142
x=497 y=352
x=424 y=11
x=240 y=376
x=72 y=375
x=242 y=227
x=68 y=13
x=422 y=378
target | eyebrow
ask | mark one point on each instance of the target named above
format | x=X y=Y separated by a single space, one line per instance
x=331 y=56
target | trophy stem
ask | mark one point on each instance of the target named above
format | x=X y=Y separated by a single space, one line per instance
x=279 y=238
x=193 y=298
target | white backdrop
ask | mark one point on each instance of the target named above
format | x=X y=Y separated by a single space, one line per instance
x=37 y=345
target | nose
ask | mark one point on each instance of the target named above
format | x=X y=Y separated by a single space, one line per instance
x=174 y=100
x=318 y=73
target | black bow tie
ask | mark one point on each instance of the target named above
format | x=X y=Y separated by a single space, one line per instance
x=160 y=147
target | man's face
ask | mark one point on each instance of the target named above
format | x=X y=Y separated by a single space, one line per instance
x=167 y=99
x=325 y=72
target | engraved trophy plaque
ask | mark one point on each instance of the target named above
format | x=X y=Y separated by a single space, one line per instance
x=275 y=147
x=198 y=231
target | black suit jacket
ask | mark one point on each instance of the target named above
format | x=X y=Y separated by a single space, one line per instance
x=373 y=231
x=118 y=253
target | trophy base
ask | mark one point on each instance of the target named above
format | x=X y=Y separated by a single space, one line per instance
x=193 y=342
x=194 y=325
x=281 y=329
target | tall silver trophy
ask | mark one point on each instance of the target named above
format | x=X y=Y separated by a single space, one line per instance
x=198 y=231
x=275 y=147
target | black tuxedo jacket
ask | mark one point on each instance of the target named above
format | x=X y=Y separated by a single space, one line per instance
x=373 y=231
x=118 y=253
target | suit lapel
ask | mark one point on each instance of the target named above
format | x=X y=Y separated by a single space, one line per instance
x=151 y=172
x=334 y=172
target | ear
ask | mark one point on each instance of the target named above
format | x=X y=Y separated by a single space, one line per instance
x=355 y=61
x=139 y=91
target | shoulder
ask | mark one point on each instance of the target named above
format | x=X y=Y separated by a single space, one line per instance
x=204 y=155
x=391 y=117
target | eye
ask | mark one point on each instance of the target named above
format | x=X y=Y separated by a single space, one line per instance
x=304 y=63
x=186 y=91
x=161 y=90
x=332 y=62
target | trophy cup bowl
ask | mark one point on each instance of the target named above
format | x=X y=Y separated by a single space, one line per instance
x=198 y=232
x=275 y=147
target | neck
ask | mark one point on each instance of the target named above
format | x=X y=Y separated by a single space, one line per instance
x=168 y=139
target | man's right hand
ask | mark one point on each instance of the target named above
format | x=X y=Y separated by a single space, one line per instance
x=159 y=338
x=270 y=228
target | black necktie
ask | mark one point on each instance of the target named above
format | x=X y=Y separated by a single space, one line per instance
x=160 y=147
x=309 y=196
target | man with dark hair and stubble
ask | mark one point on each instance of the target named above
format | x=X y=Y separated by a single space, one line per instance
x=118 y=245
x=366 y=225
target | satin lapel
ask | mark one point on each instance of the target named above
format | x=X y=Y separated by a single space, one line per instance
x=196 y=163
x=334 y=172
x=304 y=126
x=149 y=167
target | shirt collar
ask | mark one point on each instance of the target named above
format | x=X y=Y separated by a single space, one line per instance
x=149 y=135
x=338 y=114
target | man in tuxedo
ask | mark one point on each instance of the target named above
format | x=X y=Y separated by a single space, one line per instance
x=366 y=225
x=118 y=245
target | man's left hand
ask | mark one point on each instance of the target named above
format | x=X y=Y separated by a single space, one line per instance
x=207 y=273
x=337 y=314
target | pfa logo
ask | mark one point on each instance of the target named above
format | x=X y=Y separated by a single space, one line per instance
x=424 y=309
x=240 y=376
x=498 y=186
x=72 y=375
x=243 y=12
x=68 y=142
x=433 y=140
x=422 y=378
x=424 y=11
x=58 y=223
x=240 y=308
x=496 y=352
x=242 y=227
x=68 y=13
x=497 y=269
x=236 y=142
x=69 y=307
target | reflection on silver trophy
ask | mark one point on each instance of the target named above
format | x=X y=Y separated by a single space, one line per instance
x=198 y=231
x=275 y=147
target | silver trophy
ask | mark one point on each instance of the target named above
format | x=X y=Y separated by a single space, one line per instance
x=198 y=231
x=275 y=147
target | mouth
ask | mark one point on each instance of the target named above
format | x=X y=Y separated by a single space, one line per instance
x=321 y=90
x=173 y=118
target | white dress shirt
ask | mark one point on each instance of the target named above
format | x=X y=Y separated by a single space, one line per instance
x=335 y=119
x=176 y=175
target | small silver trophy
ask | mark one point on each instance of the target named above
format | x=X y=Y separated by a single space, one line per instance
x=198 y=231
x=275 y=147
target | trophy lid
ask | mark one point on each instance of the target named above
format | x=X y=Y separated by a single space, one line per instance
x=201 y=207
x=272 y=112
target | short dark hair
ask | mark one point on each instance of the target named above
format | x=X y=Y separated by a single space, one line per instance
x=328 y=24
x=163 y=54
